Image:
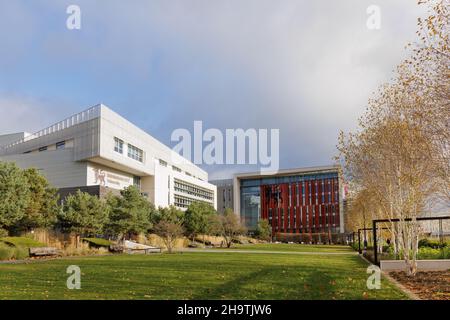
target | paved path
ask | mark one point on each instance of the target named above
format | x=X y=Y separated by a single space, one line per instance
x=265 y=251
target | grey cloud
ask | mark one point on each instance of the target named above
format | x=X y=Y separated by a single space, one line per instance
x=305 y=67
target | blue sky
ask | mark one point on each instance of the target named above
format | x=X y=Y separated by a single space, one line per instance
x=304 y=67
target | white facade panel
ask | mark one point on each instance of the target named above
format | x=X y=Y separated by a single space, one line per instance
x=57 y=166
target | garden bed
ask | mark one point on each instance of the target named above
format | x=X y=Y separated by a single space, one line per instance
x=430 y=285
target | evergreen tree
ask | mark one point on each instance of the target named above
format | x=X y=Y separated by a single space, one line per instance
x=82 y=214
x=196 y=219
x=43 y=205
x=14 y=195
x=130 y=213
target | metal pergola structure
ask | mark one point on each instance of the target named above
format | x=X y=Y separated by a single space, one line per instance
x=374 y=229
x=359 y=236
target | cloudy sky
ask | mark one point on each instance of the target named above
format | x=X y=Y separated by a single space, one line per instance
x=304 y=67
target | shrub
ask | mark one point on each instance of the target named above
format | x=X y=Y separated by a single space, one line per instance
x=430 y=253
x=435 y=244
x=6 y=252
x=9 y=252
x=3 y=233
x=20 y=253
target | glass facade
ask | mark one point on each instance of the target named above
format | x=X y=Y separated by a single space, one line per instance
x=250 y=206
x=292 y=204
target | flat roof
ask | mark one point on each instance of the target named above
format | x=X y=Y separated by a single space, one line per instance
x=286 y=172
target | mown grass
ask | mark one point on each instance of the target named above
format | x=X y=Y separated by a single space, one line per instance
x=293 y=247
x=199 y=275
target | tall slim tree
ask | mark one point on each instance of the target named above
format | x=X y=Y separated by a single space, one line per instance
x=401 y=153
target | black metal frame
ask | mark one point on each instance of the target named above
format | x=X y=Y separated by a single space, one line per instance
x=374 y=229
x=359 y=236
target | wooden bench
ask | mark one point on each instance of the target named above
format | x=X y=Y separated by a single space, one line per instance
x=123 y=249
x=43 y=252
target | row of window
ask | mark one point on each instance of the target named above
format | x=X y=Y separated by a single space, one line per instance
x=133 y=152
x=184 y=187
x=59 y=146
x=184 y=202
x=174 y=168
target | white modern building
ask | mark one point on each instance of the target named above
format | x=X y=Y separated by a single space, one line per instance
x=99 y=151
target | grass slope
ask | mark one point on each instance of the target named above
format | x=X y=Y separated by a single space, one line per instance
x=22 y=242
x=98 y=242
x=196 y=276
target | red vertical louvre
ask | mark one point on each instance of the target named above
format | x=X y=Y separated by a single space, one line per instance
x=332 y=190
x=274 y=208
x=316 y=208
x=297 y=204
x=338 y=221
x=336 y=191
x=278 y=205
x=327 y=184
x=319 y=194
x=285 y=195
x=294 y=205
x=263 y=202
x=306 y=193
x=322 y=212
x=269 y=189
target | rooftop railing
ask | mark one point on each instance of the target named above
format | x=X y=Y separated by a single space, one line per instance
x=84 y=116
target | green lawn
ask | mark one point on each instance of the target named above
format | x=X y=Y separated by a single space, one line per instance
x=196 y=275
x=295 y=247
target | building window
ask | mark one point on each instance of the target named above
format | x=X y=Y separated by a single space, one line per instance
x=176 y=169
x=118 y=145
x=43 y=149
x=162 y=163
x=60 y=145
x=193 y=190
x=137 y=182
x=135 y=153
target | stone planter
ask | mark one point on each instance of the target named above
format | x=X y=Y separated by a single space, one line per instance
x=422 y=265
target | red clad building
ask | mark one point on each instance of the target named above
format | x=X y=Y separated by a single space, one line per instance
x=306 y=201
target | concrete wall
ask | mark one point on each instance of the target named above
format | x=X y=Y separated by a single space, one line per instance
x=12 y=137
x=225 y=194
x=57 y=166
